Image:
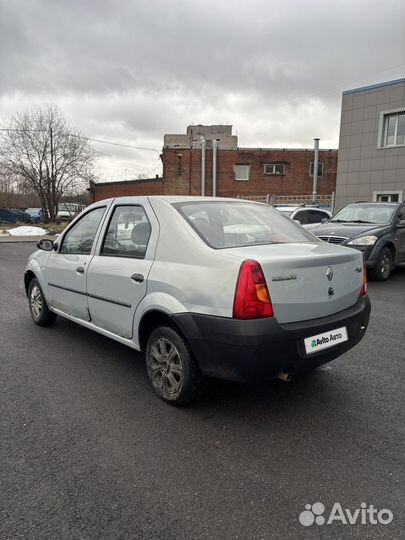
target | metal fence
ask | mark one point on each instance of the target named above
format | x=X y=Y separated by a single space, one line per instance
x=323 y=201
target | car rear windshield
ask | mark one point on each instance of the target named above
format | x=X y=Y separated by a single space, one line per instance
x=233 y=224
x=365 y=213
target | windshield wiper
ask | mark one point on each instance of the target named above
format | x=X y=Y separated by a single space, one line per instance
x=339 y=221
x=362 y=221
x=350 y=221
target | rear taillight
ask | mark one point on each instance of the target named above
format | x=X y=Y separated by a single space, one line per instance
x=364 y=287
x=252 y=299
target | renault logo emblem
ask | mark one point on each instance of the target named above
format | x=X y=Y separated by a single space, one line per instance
x=329 y=273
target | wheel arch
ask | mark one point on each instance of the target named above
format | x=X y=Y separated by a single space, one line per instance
x=391 y=246
x=153 y=319
x=28 y=277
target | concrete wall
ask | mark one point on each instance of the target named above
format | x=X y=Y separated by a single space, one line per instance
x=364 y=167
x=220 y=133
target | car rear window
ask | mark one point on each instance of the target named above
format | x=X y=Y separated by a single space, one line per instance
x=233 y=224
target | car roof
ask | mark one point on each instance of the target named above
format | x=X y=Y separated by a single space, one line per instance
x=287 y=208
x=172 y=199
x=301 y=207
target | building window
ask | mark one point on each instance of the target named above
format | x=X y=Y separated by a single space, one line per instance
x=387 y=196
x=393 y=129
x=242 y=172
x=321 y=168
x=274 y=168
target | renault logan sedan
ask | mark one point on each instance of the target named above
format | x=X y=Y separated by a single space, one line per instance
x=204 y=287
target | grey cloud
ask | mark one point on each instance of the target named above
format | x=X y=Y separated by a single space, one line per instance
x=133 y=70
x=104 y=46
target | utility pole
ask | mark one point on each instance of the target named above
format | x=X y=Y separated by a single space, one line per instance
x=315 y=172
x=203 y=148
x=214 y=167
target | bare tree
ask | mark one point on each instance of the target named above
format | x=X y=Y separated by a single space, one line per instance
x=41 y=150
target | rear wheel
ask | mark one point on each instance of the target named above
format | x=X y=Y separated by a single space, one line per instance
x=172 y=370
x=39 y=310
x=383 y=269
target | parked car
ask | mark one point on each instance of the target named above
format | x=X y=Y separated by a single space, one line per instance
x=10 y=215
x=376 y=229
x=305 y=215
x=35 y=214
x=204 y=287
x=21 y=215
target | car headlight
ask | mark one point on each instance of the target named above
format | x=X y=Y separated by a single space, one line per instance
x=363 y=241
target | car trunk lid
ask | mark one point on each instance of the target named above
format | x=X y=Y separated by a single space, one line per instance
x=308 y=280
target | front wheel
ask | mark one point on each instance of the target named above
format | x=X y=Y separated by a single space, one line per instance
x=383 y=269
x=39 y=310
x=172 y=370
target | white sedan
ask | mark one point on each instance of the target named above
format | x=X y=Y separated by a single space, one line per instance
x=204 y=287
x=305 y=215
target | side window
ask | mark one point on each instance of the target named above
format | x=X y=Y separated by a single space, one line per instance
x=79 y=239
x=127 y=234
x=401 y=213
x=315 y=216
x=302 y=217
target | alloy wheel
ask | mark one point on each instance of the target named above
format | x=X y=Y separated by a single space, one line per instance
x=385 y=264
x=166 y=367
x=36 y=301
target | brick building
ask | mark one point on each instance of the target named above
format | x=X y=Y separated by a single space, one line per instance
x=243 y=172
x=125 y=188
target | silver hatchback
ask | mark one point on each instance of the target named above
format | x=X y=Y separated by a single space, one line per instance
x=204 y=287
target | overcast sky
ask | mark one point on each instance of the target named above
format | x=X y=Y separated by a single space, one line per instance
x=130 y=71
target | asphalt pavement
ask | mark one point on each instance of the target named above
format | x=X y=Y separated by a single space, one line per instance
x=87 y=451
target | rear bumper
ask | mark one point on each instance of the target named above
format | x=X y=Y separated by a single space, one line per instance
x=260 y=349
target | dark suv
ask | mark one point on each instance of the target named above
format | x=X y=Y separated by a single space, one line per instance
x=377 y=229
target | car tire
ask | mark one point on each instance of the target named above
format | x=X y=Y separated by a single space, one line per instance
x=172 y=370
x=40 y=313
x=383 y=269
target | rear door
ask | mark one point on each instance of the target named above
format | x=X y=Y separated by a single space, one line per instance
x=67 y=267
x=118 y=272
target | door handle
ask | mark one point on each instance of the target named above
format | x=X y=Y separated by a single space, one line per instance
x=80 y=270
x=138 y=278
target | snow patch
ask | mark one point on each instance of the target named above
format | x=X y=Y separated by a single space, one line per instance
x=27 y=231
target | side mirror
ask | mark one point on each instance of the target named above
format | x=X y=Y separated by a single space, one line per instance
x=401 y=223
x=297 y=221
x=45 y=244
x=324 y=220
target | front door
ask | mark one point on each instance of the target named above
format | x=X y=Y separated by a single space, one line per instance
x=400 y=233
x=118 y=272
x=67 y=268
